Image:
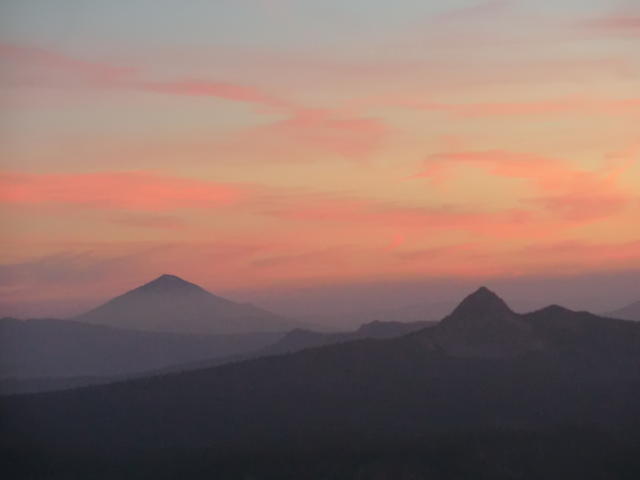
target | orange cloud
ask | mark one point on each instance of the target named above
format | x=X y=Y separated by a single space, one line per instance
x=571 y=193
x=145 y=220
x=134 y=191
x=532 y=108
x=583 y=256
x=510 y=222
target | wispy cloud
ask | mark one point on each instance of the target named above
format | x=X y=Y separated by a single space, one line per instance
x=204 y=88
x=541 y=108
x=130 y=191
x=346 y=134
x=397 y=218
x=572 y=193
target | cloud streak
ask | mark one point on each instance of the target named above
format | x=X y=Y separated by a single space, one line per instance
x=571 y=193
x=542 y=108
x=130 y=191
x=327 y=130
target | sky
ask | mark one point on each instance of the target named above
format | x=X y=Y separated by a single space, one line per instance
x=319 y=155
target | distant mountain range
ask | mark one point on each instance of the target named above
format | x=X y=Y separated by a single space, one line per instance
x=47 y=355
x=95 y=348
x=65 y=348
x=300 y=339
x=553 y=372
x=171 y=304
x=630 y=312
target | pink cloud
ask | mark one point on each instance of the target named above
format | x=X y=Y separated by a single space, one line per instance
x=583 y=207
x=132 y=191
x=203 y=88
x=617 y=24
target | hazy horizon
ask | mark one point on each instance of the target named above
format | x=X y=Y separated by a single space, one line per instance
x=348 y=305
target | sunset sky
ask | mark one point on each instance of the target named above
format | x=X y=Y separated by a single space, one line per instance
x=257 y=146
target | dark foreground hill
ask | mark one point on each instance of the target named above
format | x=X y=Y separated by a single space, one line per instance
x=171 y=304
x=486 y=393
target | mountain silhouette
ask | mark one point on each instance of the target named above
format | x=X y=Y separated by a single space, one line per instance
x=171 y=304
x=630 y=312
x=390 y=329
x=482 y=325
x=300 y=339
x=540 y=373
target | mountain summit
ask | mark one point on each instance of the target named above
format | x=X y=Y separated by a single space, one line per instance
x=171 y=304
x=481 y=303
x=169 y=283
x=482 y=325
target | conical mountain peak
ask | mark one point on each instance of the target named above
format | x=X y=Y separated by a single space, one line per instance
x=167 y=283
x=170 y=304
x=482 y=302
x=169 y=277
